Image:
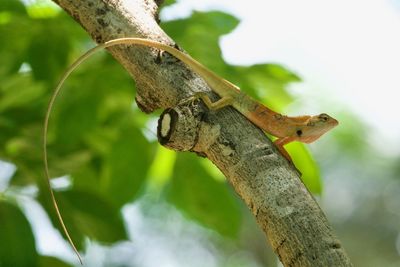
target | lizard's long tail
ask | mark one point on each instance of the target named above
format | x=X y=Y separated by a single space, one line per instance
x=211 y=78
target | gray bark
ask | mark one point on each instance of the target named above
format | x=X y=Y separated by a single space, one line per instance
x=295 y=226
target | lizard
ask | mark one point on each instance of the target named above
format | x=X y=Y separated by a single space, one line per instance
x=287 y=129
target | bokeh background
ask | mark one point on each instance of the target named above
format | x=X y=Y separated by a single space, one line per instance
x=129 y=202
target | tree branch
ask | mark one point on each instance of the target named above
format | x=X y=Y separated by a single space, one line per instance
x=296 y=227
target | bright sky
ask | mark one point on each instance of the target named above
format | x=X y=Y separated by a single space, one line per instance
x=346 y=50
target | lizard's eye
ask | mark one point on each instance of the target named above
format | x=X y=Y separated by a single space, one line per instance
x=323 y=117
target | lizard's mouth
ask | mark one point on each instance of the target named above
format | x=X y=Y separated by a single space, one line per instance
x=334 y=122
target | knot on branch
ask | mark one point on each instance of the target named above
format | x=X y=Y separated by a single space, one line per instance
x=178 y=127
x=183 y=128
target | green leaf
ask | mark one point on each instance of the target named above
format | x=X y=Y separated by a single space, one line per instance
x=161 y=169
x=43 y=9
x=17 y=243
x=48 y=56
x=266 y=82
x=202 y=198
x=13 y=26
x=19 y=91
x=305 y=163
x=126 y=165
x=206 y=28
x=78 y=117
x=214 y=23
x=46 y=261
x=13 y=6
x=168 y=3
x=89 y=104
x=87 y=214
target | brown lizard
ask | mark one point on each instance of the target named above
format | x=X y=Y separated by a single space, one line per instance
x=287 y=129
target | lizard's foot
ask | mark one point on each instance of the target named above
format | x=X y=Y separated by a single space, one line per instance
x=220 y=103
x=164 y=56
x=191 y=99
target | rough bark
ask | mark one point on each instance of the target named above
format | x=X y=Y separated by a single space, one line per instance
x=296 y=228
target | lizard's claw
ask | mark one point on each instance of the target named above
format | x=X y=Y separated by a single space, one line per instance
x=191 y=99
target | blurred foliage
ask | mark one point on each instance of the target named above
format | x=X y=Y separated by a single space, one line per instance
x=97 y=137
x=16 y=237
x=203 y=198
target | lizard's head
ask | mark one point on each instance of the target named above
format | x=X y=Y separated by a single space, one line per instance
x=315 y=127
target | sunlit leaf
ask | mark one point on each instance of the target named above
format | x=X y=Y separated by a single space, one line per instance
x=43 y=9
x=305 y=163
x=162 y=167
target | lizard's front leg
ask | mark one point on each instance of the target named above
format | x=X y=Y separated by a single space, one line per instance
x=220 y=103
x=280 y=142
